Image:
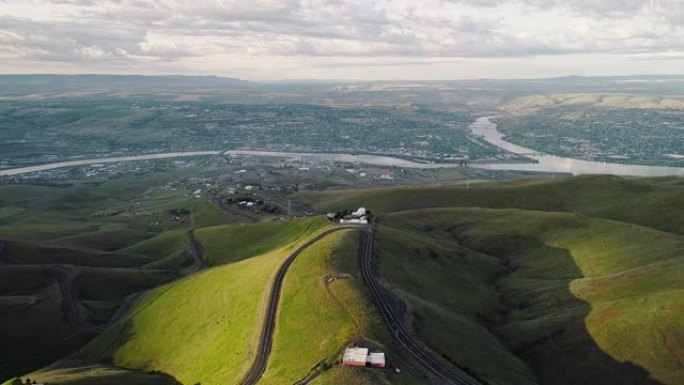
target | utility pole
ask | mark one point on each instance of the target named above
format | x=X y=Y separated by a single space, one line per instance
x=289 y=208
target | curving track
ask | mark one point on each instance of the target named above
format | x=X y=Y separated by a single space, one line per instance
x=72 y=310
x=438 y=366
x=195 y=249
x=266 y=340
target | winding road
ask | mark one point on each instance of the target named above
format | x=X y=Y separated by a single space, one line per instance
x=439 y=367
x=268 y=328
x=72 y=310
x=195 y=249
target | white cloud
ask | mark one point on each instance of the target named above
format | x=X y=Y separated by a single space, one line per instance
x=195 y=36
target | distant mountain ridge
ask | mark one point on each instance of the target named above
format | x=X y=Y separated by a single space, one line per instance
x=56 y=83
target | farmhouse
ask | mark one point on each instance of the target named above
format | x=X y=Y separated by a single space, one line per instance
x=355 y=357
x=360 y=357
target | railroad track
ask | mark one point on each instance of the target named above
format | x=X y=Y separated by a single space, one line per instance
x=438 y=366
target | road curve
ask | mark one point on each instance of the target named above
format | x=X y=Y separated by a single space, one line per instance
x=69 y=296
x=440 y=367
x=195 y=249
x=266 y=339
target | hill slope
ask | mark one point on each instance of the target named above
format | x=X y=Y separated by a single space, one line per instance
x=657 y=203
x=524 y=297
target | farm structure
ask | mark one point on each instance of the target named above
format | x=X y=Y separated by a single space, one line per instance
x=360 y=216
x=361 y=357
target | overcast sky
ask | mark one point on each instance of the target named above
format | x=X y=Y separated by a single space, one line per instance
x=340 y=39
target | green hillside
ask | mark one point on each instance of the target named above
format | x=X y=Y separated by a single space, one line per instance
x=214 y=316
x=568 y=281
x=657 y=203
x=215 y=329
x=527 y=104
x=523 y=297
x=226 y=244
x=319 y=318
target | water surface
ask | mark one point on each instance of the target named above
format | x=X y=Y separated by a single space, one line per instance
x=487 y=129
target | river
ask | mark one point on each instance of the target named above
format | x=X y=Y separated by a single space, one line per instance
x=487 y=129
x=482 y=127
x=377 y=160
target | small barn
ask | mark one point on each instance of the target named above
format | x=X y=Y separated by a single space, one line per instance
x=377 y=360
x=361 y=357
x=355 y=357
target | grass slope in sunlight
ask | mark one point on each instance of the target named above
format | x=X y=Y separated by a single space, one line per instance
x=523 y=297
x=226 y=244
x=318 y=320
x=657 y=203
x=203 y=328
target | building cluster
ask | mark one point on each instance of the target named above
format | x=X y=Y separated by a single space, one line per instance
x=360 y=216
x=361 y=357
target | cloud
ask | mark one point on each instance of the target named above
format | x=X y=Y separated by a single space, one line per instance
x=125 y=32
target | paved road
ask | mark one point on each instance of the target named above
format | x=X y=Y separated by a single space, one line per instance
x=196 y=250
x=3 y=251
x=266 y=340
x=69 y=295
x=73 y=311
x=440 y=367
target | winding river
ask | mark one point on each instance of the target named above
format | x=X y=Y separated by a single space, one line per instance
x=483 y=127
x=487 y=129
x=377 y=160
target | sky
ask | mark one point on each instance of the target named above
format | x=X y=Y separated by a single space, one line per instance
x=339 y=39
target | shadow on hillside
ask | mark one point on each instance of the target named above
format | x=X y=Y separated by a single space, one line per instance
x=74 y=372
x=562 y=354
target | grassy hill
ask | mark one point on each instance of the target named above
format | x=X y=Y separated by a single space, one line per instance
x=568 y=281
x=325 y=308
x=530 y=297
x=657 y=203
x=226 y=244
x=555 y=282
x=213 y=316
x=532 y=103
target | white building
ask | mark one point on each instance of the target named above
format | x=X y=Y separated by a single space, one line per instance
x=376 y=360
x=360 y=357
x=360 y=212
x=355 y=357
x=362 y=220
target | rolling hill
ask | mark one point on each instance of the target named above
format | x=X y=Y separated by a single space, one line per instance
x=552 y=282
x=568 y=281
